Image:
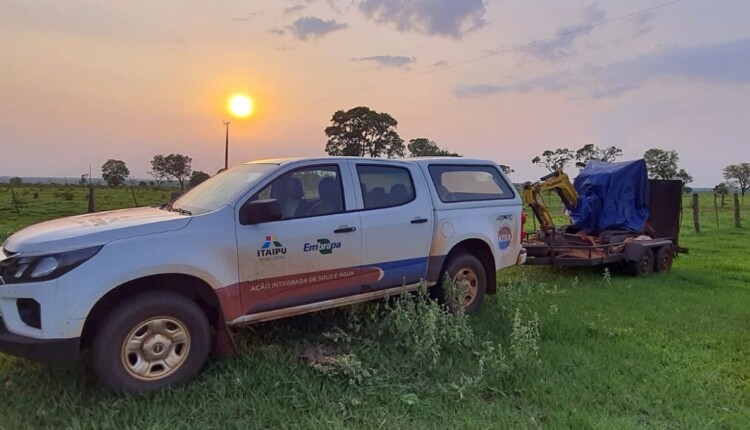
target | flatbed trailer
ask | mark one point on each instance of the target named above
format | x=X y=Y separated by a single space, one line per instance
x=641 y=254
x=640 y=257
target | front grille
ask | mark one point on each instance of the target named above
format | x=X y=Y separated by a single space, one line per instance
x=8 y=253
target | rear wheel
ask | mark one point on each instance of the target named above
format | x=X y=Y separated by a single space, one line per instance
x=151 y=341
x=468 y=283
x=664 y=258
x=644 y=265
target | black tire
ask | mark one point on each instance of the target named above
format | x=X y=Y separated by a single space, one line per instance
x=664 y=258
x=162 y=321
x=471 y=268
x=644 y=265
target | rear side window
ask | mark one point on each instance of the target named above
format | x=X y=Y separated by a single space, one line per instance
x=385 y=186
x=467 y=183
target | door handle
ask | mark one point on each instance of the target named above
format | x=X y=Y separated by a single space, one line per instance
x=345 y=230
x=419 y=220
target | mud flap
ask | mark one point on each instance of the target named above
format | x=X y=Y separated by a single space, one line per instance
x=224 y=344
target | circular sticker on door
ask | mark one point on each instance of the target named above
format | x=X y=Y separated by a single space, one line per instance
x=504 y=238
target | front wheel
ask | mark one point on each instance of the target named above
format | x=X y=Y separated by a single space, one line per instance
x=467 y=286
x=151 y=341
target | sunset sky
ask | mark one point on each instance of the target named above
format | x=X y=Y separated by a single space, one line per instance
x=83 y=81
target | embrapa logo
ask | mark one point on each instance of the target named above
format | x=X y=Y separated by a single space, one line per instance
x=504 y=238
x=271 y=248
x=324 y=246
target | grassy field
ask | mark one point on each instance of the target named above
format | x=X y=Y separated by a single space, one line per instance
x=609 y=351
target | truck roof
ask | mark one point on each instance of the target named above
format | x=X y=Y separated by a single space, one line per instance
x=416 y=160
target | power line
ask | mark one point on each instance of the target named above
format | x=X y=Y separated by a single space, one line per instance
x=493 y=53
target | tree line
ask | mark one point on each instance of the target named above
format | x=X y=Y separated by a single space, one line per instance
x=177 y=167
x=363 y=132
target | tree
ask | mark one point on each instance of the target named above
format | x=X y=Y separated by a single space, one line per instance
x=738 y=176
x=506 y=169
x=663 y=165
x=423 y=147
x=15 y=181
x=179 y=167
x=84 y=179
x=554 y=160
x=197 y=177
x=363 y=132
x=593 y=152
x=158 y=169
x=722 y=190
x=114 y=172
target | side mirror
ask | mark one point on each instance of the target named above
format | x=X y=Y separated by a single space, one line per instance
x=259 y=211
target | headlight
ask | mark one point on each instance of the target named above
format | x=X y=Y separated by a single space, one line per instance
x=20 y=268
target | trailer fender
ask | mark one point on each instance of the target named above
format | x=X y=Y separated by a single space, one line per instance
x=633 y=251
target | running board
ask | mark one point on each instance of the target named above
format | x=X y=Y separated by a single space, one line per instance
x=327 y=304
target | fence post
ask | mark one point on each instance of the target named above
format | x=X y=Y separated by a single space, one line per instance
x=737 y=210
x=716 y=211
x=92 y=204
x=696 y=212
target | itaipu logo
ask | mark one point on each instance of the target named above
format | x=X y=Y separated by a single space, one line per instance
x=271 y=248
x=324 y=246
x=504 y=238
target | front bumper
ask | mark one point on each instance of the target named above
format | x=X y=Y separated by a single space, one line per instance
x=44 y=350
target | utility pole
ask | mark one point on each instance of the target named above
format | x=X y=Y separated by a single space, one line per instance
x=226 y=146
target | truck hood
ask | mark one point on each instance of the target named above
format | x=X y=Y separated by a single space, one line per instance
x=94 y=229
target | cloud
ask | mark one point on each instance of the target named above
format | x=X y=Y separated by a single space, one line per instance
x=277 y=31
x=293 y=9
x=383 y=61
x=441 y=63
x=474 y=91
x=642 y=23
x=725 y=63
x=564 y=46
x=552 y=82
x=310 y=26
x=247 y=18
x=448 y=18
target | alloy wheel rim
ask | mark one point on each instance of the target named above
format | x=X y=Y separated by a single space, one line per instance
x=155 y=348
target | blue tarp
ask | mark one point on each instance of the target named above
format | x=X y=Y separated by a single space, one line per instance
x=612 y=196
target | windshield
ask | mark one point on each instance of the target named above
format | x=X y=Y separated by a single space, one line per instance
x=220 y=189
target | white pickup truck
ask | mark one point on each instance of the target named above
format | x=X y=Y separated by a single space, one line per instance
x=152 y=290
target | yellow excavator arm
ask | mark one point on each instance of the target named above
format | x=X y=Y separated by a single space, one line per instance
x=556 y=181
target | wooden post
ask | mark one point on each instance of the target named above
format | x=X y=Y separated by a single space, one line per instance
x=134 y=199
x=92 y=204
x=737 y=210
x=15 y=201
x=696 y=212
x=716 y=210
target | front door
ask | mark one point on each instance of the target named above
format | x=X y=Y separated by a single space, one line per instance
x=313 y=253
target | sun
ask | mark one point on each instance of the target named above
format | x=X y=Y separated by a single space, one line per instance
x=240 y=105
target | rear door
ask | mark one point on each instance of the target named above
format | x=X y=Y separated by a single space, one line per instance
x=397 y=221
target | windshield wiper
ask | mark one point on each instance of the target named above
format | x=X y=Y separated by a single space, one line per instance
x=180 y=211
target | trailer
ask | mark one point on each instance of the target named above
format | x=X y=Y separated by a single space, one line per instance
x=643 y=240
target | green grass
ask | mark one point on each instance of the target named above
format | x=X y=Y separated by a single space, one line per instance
x=667 y=351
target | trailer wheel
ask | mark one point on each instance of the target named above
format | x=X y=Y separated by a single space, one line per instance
x=151 y=341
x=643 y=265
x=664 y=258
